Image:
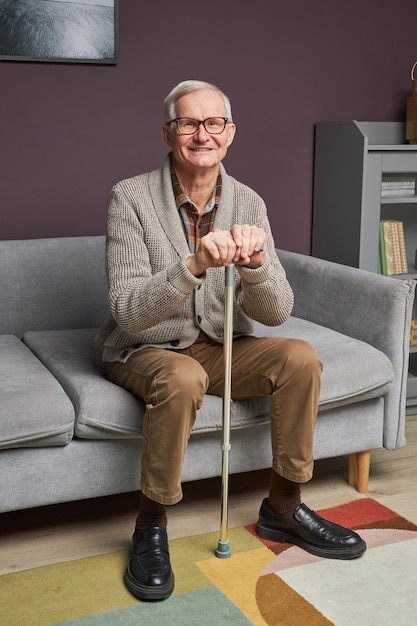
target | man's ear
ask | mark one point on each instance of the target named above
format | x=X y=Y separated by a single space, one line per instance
x=231 y=132
x=166 y=134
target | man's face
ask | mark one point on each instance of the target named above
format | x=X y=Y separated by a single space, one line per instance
x=201 y=151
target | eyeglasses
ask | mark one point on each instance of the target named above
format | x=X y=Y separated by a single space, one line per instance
x=189 y=126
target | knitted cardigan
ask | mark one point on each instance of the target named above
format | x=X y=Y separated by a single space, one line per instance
x=154 y=299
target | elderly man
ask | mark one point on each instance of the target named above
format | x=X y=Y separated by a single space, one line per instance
x=171 y=232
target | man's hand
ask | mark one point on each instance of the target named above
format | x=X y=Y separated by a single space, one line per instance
x=250 y=245
x=245 y=245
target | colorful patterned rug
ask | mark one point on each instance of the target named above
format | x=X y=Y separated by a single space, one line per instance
x=261 y=583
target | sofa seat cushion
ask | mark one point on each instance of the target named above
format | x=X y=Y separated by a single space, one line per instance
x=353 y=370
x=104 y=410
x=34 y=409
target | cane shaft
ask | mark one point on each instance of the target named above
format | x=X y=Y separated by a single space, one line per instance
x=227 y=357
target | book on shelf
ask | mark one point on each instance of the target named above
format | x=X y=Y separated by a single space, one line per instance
x=398 y=193
x=413 y=342
x=403 y=250
x=392 y=252
x=398 y=186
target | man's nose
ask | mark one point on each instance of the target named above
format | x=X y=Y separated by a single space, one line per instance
x=201 y=133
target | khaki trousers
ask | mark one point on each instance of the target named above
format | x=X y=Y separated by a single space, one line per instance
x=173 y=383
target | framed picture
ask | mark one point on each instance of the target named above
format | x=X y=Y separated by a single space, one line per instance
x=85 y=31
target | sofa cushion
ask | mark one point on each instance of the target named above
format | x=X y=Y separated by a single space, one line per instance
x=44 y=281
x=34 y=409
x=353 y=372
x=104 y=410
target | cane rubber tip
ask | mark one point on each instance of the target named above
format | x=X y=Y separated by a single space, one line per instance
x=223 y=550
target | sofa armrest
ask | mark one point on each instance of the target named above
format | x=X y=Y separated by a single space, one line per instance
x=372 y=308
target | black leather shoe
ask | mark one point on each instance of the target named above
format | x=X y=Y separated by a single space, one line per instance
x=310 y=532
x=148 y=574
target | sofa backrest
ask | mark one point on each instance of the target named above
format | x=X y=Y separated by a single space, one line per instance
x=52 y=284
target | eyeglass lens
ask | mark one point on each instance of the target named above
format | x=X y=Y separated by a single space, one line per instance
x=189 y=126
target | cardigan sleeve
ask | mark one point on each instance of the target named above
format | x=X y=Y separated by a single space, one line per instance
x=140 y=296
x=265 y=294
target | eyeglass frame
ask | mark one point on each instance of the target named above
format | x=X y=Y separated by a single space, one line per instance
x=203 y=122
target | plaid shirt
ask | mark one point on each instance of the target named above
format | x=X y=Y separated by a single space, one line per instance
x=195 y=225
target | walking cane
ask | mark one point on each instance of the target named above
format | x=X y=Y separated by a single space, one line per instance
x=223 y=549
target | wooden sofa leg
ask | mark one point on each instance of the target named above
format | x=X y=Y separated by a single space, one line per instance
x=353 y=469
x=364 y=462
x=358 y=470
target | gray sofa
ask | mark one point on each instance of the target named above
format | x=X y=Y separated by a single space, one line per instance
x=66 y=433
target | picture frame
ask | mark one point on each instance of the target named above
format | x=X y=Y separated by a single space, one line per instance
x=59 y=31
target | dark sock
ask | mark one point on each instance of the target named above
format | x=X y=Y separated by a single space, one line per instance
x=151 y=513
x=284 y=495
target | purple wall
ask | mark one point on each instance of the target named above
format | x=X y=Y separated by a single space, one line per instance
x=69 y=132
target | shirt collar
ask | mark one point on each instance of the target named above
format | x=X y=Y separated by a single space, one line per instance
x=181 y=198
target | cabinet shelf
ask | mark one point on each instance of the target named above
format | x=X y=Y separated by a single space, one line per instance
x=403 y=147
x=398 y=200
x=351 y=160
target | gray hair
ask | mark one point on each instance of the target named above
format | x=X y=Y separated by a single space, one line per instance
x=189 y=86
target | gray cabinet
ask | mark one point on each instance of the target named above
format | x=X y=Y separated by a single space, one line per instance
x=351 y=159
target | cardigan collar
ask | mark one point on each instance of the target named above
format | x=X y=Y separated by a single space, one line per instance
x=165 y=207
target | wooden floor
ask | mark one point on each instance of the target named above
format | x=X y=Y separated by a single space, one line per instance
x=71 y=531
